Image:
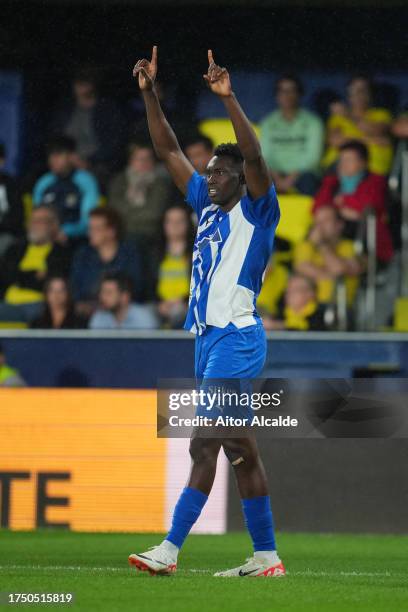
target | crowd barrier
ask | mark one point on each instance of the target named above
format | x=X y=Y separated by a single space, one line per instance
x=139 y=359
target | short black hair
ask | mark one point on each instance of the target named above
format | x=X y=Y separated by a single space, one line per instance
x=61 y=144
x=229 y=149
x=1 y=349
x=2 y=150
x=290 y=77
x=198 y=138
x=358 y=147
x=123 y=281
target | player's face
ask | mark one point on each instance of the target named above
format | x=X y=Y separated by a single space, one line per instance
x=223 y=180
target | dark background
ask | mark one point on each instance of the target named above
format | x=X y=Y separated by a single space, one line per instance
x=48 y=40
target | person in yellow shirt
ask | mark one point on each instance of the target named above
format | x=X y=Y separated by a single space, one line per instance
x=26 y=264
x=9 y=377
x=174 y=269
x=359 y=120
x=325 y=256
x=301 y=310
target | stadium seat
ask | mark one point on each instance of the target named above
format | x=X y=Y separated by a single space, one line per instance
x=296 y=217
x=401 y=315
x=13 y=325
x=220 y=130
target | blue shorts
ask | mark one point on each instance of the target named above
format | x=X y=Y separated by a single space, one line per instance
x=222 y=355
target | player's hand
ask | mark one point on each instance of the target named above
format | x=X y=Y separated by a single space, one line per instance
x=146 y=71
x=217 y=78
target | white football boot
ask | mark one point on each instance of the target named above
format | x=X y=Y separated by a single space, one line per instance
x=255 y=567
x=158 y=560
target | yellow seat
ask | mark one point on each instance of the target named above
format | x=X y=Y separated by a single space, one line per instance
x=13 y=325
x=220 y=130
x=401 y=314
x=296 y=217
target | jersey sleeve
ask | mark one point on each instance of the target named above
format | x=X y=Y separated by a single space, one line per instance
x=197 y=194
x=264 y=211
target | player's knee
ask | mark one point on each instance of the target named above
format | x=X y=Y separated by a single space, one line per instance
x=239 y=452
x=203 y=451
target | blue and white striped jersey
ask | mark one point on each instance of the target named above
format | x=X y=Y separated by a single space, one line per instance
x=231 y=251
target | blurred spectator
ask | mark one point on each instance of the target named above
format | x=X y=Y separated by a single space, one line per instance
x=58 y=310
x=95 y=123
x=11 y=207
x=325 y=256
x=174 y=267
x=73 y=193
x=273 y=287
x=353 y=190
x=400 y=126
x=106 y=252
x=25 y=265
x=358 y=119
x=116 y=310
x=140 y=194
x=199 y=150
x=9 y=377
x=301 y=310
x=400 y=132
x=292 y=140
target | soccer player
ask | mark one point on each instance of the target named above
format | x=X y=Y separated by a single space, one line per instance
x=238 y=213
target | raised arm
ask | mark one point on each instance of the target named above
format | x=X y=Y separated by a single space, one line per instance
x=163 y=138
x=256 y=172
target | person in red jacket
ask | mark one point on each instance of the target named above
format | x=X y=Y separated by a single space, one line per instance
x=353 y=189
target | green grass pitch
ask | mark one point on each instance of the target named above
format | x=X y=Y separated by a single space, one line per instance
x=325 y=572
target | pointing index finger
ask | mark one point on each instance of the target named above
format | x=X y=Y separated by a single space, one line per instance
x=210 y=57
x=154 y=55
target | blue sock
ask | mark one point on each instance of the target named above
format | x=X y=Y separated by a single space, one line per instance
x=186 y=512
x=259 y=521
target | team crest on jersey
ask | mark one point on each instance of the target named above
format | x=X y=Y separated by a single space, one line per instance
x=216 y=237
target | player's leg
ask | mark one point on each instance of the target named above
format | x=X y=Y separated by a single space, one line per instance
x=252 y=484
x=162 y=559
x=248 y=349
x=204 y=452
